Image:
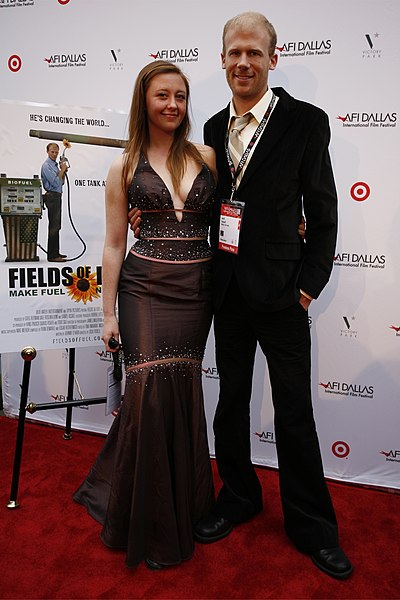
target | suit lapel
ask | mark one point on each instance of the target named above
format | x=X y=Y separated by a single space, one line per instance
x=278 y=123
x=222 y=128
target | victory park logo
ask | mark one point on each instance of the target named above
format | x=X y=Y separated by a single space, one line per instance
x=348 y=330
x=359 y=260
x=116 y=64
x=180 y=55
x=66 y=60
x=305 y=48
x=371 y=50
x=368 y=119
x=341 y=388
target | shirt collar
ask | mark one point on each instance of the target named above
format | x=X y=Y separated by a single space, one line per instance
x=258 y=110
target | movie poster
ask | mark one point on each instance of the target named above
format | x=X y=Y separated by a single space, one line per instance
x=47 y=304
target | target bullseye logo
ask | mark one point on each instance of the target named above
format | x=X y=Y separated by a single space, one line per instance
x=14 y=63
x=360 y=191
x=341 y=449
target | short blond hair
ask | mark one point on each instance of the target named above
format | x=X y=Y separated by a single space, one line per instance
x=248 y=20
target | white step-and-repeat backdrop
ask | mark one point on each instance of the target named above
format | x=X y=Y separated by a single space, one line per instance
x=67 y=69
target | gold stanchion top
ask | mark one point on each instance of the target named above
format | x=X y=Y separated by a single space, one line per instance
x=28 y=353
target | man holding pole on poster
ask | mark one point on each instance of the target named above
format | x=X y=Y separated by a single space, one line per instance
x=52 y=177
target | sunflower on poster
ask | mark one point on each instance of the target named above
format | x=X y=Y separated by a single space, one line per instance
x=83 y=289
x=66 y=145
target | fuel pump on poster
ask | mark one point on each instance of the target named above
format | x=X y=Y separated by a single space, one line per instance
x=21 y=209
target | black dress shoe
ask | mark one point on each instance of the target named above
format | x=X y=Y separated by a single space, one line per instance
x=153 y=565
x=62 y=255
x=333 y=561
x=211 y=529
x=57 y=259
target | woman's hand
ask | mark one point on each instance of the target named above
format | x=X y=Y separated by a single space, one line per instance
x=110 y=329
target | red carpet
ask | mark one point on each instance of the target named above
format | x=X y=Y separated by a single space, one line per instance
x=51 y=548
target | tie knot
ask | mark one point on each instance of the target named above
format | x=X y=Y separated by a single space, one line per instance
x=235 y=142
x=241 y=122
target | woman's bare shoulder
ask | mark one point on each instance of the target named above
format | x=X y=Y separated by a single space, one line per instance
x=208 y=156
x=116 y=166
x=204 y=150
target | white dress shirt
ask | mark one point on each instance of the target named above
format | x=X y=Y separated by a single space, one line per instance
x=258 y=111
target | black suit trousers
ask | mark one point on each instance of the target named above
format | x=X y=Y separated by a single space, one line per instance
x=284 y=338
x=52 y=201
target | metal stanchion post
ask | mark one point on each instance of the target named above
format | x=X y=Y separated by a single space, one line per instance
x=70 y=395
x=28 y=354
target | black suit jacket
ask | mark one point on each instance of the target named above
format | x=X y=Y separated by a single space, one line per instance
x=289 y=172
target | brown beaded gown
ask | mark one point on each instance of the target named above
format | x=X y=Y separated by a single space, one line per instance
x=152 y=480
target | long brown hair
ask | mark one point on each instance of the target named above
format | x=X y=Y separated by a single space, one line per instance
x=139 y=140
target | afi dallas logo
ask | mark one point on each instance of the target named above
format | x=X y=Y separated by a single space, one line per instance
x=105 y=355
x=360 y=260
x=177 y=55
x=62 y=398
x=267 y=437
x=368 y=119
x=73 y=59
x=14 y=3
x=341 y=388
x=305 y=48
x=391 y=455
x=210 y=372
x=59 y=398
x=396 y=329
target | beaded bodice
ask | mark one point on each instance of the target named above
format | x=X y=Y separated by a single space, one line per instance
x=162 y=236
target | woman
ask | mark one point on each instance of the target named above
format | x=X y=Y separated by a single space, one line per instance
x=152 y=480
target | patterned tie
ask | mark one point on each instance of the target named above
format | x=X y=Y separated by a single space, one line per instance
x=236 y=148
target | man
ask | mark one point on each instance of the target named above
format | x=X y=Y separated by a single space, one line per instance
x=264 y=280
x=52 y=180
